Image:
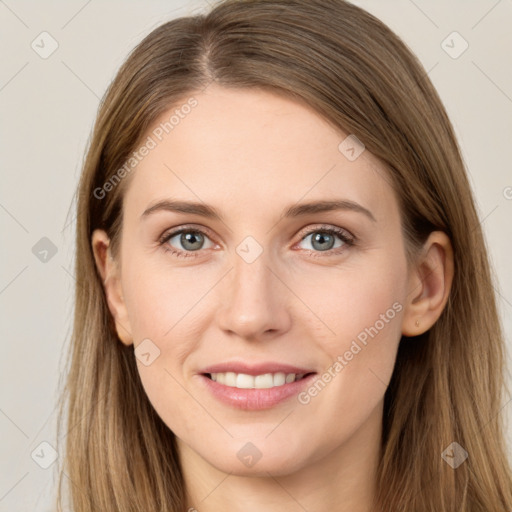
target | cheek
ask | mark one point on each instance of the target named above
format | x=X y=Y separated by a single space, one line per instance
x=362 y=301
x=160 y=306
x=364 y=310
x=160 y=299
x=165 y=308
x=369 y=315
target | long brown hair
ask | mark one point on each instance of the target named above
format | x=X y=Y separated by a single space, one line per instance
x=448 y=383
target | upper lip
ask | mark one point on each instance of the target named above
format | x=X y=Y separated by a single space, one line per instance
x=256 y=368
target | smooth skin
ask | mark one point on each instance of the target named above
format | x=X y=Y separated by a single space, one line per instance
x=251 y=154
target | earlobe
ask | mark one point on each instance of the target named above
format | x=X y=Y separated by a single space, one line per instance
x=110 y=276
x=429 y=285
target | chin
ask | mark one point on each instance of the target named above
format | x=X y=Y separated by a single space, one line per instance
x=278 y=465
x=257 y=458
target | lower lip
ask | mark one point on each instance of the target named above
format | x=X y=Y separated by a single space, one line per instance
x=255 y=399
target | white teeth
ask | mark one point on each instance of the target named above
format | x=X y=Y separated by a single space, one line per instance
x=230 y=379
x=244 y=381
x=278 y=379
x=265 y=381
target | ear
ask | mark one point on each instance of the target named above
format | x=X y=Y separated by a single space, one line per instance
x=111 y=277
x=429 y=285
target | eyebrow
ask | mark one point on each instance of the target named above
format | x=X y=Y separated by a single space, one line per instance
x=297 y=210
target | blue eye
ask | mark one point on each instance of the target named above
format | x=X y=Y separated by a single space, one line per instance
x=192 y=241
x=324 y=239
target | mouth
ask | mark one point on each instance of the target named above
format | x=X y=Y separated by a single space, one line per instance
x=262 y=381
x=254 y=392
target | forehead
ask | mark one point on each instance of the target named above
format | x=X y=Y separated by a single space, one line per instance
x=240 y=149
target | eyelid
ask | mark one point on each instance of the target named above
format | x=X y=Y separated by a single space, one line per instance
x=169 y=233
x=172 y=232
x=329 y=228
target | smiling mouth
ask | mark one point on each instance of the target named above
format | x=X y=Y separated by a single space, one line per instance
x=263 y=381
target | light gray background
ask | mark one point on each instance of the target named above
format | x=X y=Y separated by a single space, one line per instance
x=47 y=109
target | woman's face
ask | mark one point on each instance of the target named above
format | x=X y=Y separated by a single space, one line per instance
x=256 y=290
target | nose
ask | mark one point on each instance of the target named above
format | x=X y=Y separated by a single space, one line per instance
x=253 y=302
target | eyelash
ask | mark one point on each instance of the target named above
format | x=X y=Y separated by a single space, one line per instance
x=348 y=241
